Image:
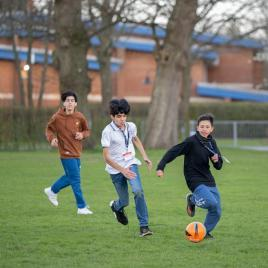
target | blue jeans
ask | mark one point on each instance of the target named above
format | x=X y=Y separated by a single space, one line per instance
x=71 y=177
x=208 y=198
x=121 y=186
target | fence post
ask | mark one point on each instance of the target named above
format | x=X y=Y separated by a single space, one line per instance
x=192 y=128
x=235 y=139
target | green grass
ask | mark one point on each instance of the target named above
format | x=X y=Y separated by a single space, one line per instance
x=35 y=234
x=243 y=142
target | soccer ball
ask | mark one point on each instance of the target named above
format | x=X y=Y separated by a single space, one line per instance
x=195 y=231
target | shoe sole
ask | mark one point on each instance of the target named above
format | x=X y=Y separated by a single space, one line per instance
x=146 y=234
x=111 y=204
x=190 y=212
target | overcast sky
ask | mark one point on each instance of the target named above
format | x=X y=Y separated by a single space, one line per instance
x=254 y=12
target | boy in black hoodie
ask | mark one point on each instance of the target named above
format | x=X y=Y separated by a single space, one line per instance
x=198 y=150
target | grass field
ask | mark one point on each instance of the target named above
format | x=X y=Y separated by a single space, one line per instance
x=243 y=142
x=36 y=234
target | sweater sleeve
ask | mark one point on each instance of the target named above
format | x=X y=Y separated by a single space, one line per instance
x=85 y=128
x=51 y=129
x=175 y=151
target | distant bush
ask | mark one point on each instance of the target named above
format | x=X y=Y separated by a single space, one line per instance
x=221 y=110
x=24 y=129
x=231 y=111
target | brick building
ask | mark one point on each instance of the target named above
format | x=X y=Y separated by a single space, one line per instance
x=222 y=69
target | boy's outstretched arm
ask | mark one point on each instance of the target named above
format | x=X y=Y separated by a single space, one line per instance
x=137 y=142
x=170 y=155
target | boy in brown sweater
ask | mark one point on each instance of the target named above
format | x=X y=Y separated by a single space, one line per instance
x=65 y=130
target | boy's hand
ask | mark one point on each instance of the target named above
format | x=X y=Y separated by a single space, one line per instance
x=54 y=142
x=78 y=136
x=159 y=173
x=128 y=174
x=215 y=158
x=148 y=163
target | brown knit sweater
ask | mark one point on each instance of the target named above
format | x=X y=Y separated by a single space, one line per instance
x=63 y=127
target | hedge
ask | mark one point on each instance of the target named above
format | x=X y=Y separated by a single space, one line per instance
x=23 y=129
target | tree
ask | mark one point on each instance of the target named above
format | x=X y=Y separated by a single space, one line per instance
x=48 y=10
x=104 y=17
x=104 y=23
x=11 y=23
x=161 y=127
x=71 y=50
x=23 y=22
x=162 y=123
x=237 y=19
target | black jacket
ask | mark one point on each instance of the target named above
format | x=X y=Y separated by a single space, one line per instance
x=197 y=151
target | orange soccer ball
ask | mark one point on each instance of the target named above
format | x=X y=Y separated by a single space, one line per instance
x=195 y=231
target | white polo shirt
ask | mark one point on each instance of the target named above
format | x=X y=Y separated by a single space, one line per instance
x=119 y=143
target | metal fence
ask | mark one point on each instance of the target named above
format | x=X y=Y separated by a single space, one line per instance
x=251 y=134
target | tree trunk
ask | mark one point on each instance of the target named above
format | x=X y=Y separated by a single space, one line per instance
x=185 y=94
x=18 y=71
x=29 y=72
x=185 y=101
x=43 y=76
x=162 y=123
x=45 y=65
x=12 y=23
x=106 y=82
x=104 y=52
x=71 y=51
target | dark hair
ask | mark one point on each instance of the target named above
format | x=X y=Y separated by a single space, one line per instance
x=204 y=117
x=68 y=93
x=119 y=107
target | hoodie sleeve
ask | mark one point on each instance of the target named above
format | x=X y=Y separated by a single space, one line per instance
x=51 y=129
x=85 y=128
x=175 y=151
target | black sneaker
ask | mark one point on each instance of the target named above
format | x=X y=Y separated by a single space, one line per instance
x=144 y=230
x=190 y=208
x=209 y=236
x=119 y=214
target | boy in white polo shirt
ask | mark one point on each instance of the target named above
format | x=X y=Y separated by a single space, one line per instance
x=118 y=140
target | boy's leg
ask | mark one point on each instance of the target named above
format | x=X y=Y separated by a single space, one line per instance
x=120 y=184
x=72 y=169
x=208 y=198
x=141 y=207
x=214 y=211
x=52 y=191
x=61 y=183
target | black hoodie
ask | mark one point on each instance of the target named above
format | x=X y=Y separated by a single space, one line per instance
x=197 y=152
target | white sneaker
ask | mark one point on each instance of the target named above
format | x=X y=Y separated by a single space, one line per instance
x=84 y=211
x=52 y=197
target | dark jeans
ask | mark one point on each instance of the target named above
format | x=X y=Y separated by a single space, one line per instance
x=208 y=198
x=121 y=186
